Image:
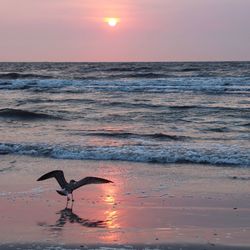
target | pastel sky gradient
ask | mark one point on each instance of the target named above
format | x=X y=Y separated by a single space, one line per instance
x=149 y=30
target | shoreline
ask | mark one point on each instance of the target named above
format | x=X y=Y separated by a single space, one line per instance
x=148 y=206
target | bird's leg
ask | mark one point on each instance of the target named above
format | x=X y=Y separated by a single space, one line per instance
x=72 y=203
x=67 y=203
x=68 y=199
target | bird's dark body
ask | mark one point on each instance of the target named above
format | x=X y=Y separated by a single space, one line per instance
x=61 y=192
x=69 y=187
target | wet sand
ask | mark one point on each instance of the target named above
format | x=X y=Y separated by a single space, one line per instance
x=148 y=206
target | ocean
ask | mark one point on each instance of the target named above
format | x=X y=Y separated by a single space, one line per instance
x=192 y=112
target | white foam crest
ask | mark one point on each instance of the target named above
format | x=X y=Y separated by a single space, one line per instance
x=207 y=153
x=201 y=84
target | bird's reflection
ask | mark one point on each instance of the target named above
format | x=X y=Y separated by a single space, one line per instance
x=68 y=216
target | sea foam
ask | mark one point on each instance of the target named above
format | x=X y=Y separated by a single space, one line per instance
x=209 y=153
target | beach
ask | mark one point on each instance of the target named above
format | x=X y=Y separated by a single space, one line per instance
x=149 y=206
x=173 y=138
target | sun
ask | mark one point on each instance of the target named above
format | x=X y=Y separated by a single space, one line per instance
x=112 y=21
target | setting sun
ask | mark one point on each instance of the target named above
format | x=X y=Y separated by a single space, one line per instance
x=112 y=21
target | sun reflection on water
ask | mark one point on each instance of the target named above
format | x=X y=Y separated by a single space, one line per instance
x=111 y=213
x=109 y=198
x=111 y=219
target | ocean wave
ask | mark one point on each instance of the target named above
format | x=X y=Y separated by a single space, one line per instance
x=123 y=70
x=246 y=124
x=184 y=107
x=196 y=153
x=145 y=75
x=132 y=105
x=124 y=135
x=190 y=69
x=37 y=84
x=128 y=68
x=212 y=108
x=14 y=75
x=19 y=114
x=236 y=85
x=218 y=130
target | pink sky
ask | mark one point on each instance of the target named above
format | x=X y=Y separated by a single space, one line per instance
x=150 y=30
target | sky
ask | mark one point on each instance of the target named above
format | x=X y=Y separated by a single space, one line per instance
x=148 y=30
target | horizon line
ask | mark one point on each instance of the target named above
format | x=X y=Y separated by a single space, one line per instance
x=163 y=61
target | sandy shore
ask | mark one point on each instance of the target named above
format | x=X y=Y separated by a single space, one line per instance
x=148 y=206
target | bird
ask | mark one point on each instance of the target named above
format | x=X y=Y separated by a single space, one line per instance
x=69 y=187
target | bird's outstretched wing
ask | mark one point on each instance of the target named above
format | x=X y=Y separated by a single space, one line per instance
x=57 y=174
x=90 y=180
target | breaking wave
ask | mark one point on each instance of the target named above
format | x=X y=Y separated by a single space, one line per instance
x=231 y=85
x=215 y=154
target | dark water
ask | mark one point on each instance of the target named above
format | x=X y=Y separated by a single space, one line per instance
x=141 y=112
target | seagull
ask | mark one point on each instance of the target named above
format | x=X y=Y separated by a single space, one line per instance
x=69 y=187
